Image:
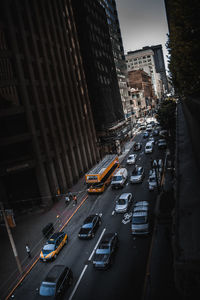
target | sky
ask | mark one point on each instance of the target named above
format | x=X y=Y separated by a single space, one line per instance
x=143 y=23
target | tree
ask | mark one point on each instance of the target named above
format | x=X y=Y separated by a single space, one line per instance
x=167 y=116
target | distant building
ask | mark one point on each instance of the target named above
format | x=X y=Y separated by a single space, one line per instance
x=150 y=59
x=47 y=134
x=140 y=81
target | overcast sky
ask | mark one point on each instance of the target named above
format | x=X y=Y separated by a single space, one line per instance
x=142 y=23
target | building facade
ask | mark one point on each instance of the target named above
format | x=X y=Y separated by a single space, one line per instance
x=47 y=136
x=150 y=59
x=119 y=57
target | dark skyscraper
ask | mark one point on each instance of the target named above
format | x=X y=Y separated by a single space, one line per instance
x=47 y=134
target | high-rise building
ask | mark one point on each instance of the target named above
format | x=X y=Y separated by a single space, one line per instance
x=47 y=134
x=118 y=53
x=150 y=59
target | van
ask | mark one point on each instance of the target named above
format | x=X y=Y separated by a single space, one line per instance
x=119 y=178
x=148 y=147
x=55 y=283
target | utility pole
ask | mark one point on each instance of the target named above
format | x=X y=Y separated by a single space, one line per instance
x=11 y=239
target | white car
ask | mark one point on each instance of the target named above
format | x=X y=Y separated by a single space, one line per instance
x=123 y=203
x=152 y=140
x=137 y=174
x=131 y=159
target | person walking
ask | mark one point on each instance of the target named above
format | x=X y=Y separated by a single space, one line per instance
x=75 y=200
x=28 y=251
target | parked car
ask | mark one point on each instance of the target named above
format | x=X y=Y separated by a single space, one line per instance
x=140 y=208
x=90 y=226
x=131 y=159
x=145 y=135
x=53 y=246
x=137 y=146
x=153 y=180
x=140 y=223
x=56 y=282
x=137 y=174
x=106 y=250
x=155 y=132
x=141 y=202
x=163 y=133
x=162 y=144
x=123 y=203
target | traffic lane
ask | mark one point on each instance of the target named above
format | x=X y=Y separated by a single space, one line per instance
x=128 y=270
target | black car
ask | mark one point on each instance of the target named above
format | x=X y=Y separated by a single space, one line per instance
x=137 y=146
x=89 y=227
x=145 y=135
x=55 y=283
x=104 y=253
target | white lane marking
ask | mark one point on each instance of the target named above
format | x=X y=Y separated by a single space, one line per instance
x=97 y=244
x=85 y=267
x=113 y=212
x=126 y=221
x=76 y=286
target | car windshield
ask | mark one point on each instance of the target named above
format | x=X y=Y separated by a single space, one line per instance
x=49 y=247
x=88 y=225
x=47 y=289
x=148 y=147
x=139 y=220
x=117 y=178
x=152 y=179
x=121 y=201
x=103 y=249
x=131 y=157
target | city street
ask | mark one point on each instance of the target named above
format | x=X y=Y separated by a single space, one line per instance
x=129 y=268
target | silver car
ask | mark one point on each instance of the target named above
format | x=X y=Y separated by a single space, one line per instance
x=137 y=175
x=123 y=203
x=140 y=223
x=131 y=159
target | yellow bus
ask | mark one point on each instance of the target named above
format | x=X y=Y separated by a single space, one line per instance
x=100 y=176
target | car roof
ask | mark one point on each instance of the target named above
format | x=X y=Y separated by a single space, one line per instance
x=89 y=219
x=140 y=214
x=139 y=203
x=132 y=155
x=54 y=273
x=124 y=195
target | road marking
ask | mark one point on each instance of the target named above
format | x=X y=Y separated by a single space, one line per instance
x=126 y=221
x=97 y=244
x=113 y=212
x=85 y=267
x=127 y=218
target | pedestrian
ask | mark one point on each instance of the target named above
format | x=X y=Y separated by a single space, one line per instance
x=28 y=251
x=75 y=200
x=70 y=195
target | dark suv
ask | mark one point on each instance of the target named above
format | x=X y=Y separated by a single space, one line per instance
x=56 y=282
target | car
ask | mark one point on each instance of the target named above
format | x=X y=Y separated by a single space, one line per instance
x=145 y=135
x=155 y=132
x=151 y=139
x=140 y=223
x=163 y=133
x=119 y=178
x=154 y=181
x=131 y=159
x=123 y=203
x=137 y=146
x=58 y=279
x=148 y=148
x=140 y=208
x=90 y=226
x=141 y=203
x=104 y=254
x=137 y=175
x=53 y=246
x=162 y=144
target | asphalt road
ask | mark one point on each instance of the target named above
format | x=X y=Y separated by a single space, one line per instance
x=127 y=274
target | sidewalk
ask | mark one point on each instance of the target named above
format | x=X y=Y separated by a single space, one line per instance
x=29 y=230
